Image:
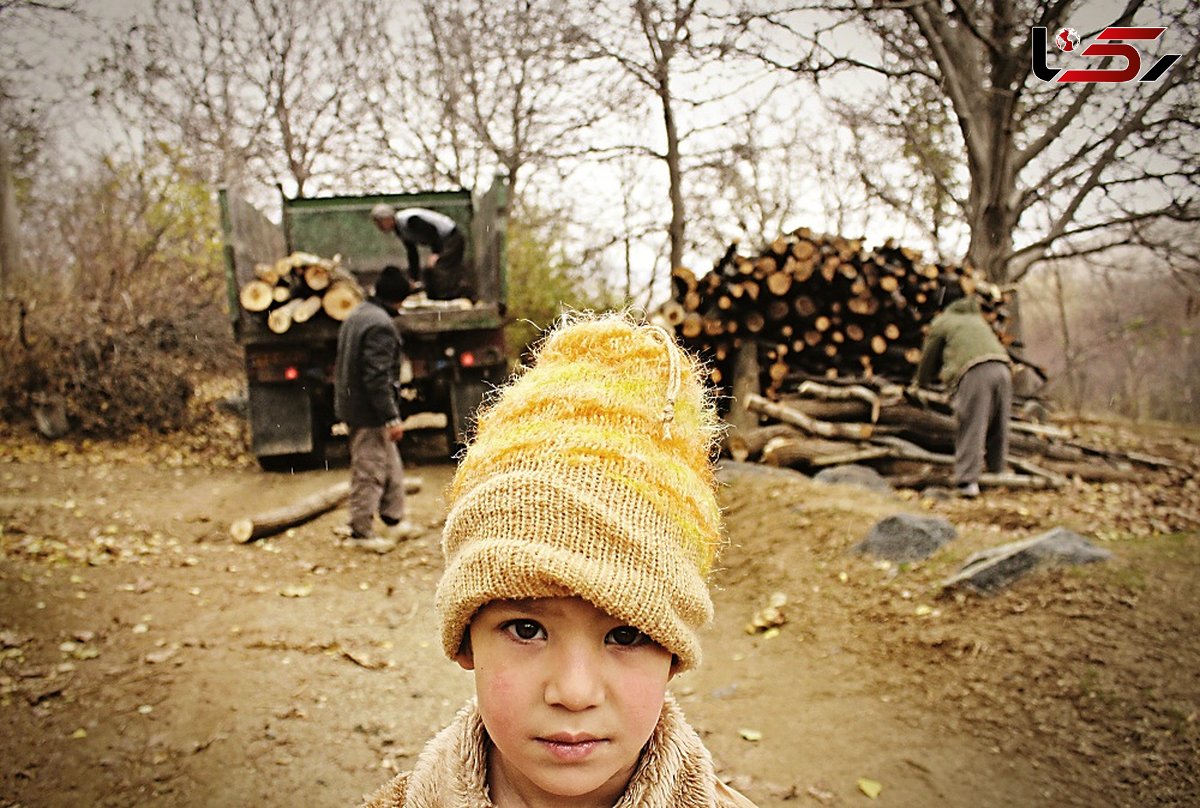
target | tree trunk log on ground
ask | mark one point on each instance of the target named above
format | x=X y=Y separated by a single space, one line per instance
x=300 y=511
x=817 y=453
x=826 y=429
x=280 y=519
x=748 y=444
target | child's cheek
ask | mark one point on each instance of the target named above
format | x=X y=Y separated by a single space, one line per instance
x=643 y=690
x=500 y=705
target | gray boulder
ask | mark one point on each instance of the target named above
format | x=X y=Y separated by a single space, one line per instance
x=854 y=474
x=905 y=537
x=989 y=571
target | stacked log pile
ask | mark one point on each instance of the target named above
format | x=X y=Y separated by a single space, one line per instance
x=910 y=441
x=812 y=342
x=299 y=287
x=816 y=306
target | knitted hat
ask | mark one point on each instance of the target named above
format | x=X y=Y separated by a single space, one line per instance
x=393 y=285
x=590 y=475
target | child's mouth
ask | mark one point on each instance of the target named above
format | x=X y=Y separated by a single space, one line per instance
x=570 y=748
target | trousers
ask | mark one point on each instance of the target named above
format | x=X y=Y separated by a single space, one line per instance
x=982 y=407
x=376 y=479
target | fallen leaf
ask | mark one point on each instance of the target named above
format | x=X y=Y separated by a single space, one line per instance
x=752 y=735
x=296 y=591
x=79 y=733
x=871 y=788
x=362 y=660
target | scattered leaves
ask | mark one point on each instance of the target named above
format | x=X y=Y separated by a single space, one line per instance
x=872 y=788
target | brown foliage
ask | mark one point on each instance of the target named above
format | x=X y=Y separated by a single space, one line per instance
x=114 y=376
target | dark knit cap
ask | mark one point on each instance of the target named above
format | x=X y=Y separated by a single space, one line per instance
x=393 y=285
x=951 y=291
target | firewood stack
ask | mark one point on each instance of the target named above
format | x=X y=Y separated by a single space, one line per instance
x=818 y=307
x=816 y=338
x=910 y=441
x=299 y=287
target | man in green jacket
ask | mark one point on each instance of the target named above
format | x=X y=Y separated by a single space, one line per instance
x=964 y=352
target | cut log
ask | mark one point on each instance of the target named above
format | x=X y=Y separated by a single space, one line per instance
x=316 y=277
x=748 y=444
x=301 y=511
x=267 y=273
x=672 y=313
x=814 y=453
x=306 y=308
x=256 y=295
x=280 y=519
x=280 y=320
x=842 y=393
x=789 y=415
x=340 y=299
x=298 y=260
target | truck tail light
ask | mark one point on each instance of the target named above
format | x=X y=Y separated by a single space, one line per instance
x=467 y=359
x=291 y=373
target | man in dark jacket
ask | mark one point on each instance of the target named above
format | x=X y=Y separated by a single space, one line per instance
x=963 y=350
x=443 y=276
x=367 y=371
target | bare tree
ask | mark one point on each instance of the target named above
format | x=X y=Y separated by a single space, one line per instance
x=1033 y=169
x=494 y=87
x=660 y=43
x=259 y=90
x=10 y=232
x=778 y=171
x=14 y=14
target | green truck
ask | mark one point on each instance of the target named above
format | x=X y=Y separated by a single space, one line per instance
x=453 y=353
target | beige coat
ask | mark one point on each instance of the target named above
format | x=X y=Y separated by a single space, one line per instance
x=675 y=770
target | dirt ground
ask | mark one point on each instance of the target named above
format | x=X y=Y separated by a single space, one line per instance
x=146 y=659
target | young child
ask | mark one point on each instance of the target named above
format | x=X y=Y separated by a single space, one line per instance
x=582 y=526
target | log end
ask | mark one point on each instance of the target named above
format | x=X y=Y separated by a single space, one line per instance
x=242 y=530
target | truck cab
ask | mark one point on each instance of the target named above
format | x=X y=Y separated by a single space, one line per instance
x=454 y=350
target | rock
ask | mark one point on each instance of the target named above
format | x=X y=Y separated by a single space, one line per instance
x=989 y=571
x=937 y=493
x=854 y=474
x=905 y=537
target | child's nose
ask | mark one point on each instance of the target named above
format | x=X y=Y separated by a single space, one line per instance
x=576 y=681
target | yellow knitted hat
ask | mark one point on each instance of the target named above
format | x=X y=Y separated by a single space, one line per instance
x=590 y=475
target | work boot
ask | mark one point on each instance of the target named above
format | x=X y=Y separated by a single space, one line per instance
x=374 y=544
x=403 y=530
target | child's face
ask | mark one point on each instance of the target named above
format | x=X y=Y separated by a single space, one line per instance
x=568 y=694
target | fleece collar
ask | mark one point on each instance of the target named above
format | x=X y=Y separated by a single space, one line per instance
x=675 y=770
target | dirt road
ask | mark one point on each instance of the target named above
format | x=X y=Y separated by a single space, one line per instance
x=148 y=660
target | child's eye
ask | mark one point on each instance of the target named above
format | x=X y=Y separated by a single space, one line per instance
x=627 y=636
x=525 y=629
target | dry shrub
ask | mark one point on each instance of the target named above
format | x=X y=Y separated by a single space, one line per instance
x=114 y=376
